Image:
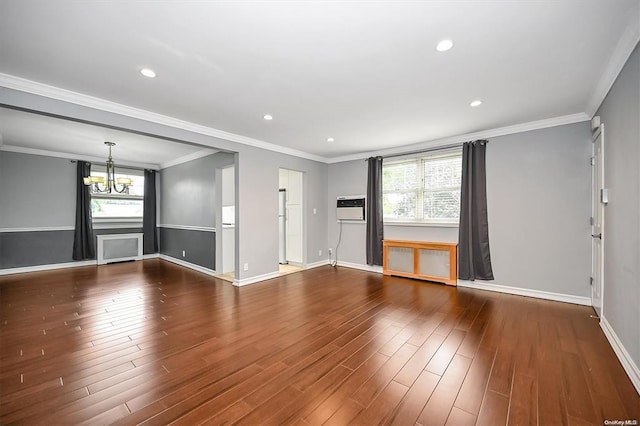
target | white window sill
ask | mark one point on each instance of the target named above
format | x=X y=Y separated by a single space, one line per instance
x=422 y=224
x=117 y=223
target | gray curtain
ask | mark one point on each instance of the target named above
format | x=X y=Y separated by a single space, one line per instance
x=84 y=242
x=375 y=231
x=149 y=226
x=474 y=258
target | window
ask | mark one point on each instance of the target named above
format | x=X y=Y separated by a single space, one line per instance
x=116 y=205
x=423 y=190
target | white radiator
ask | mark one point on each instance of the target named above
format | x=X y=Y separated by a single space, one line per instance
x=119 y=247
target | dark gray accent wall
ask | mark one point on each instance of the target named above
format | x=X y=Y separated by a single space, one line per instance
x=620 y=114
x=33 y=248
x=199 y=246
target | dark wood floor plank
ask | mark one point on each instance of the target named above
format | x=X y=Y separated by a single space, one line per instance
x=415 y=399
x=152 y=342
x=383 y=406
x=441 y=402
x=458 y=417
x=494 y=410
x=475 y=383
x=579 y=404
x=333 y=402
x=523 y=405
x=412 y=369
x=379 y=380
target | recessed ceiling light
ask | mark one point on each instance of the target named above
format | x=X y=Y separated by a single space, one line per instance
x=444 y=45
x=476 y=103
x=147 y=72
x=330 y=139
x=268 y=117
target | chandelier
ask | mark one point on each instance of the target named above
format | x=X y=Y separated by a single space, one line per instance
x=110 y=184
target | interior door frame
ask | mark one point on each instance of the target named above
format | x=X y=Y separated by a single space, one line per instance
x=596 y=203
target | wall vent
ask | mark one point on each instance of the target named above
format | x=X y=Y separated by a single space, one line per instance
x=119 y=247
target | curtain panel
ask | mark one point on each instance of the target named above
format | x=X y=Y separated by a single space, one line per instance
x=375 y=225
x=149 y=225
x=84 y=241
x=474 y=257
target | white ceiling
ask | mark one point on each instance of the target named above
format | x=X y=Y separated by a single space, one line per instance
x=35 y=133
x=363 y=72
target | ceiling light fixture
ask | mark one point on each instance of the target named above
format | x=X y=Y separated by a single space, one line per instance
x=330 y=139
x=444 y=45
x=147 y=72
x=475 y=103
x=268 y=117
x=111 y=182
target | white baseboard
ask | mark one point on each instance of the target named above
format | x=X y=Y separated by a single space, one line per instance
x=368 y=268
x=151 y=256
x=256 y=279
x=317 y=264
x=625 y=359
x=49 y=267
x=188 y=265
x=538 y=294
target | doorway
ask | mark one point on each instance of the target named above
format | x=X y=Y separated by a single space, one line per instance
x=291 y=218
x=598 y=201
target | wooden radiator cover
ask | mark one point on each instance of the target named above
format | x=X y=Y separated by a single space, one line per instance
x=430 y=261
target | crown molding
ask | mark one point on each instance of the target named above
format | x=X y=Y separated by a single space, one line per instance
x=28 y=86
x=69 y=156
x=484 y=134
x=624 y=48
x=41 y=89
x=188 y=157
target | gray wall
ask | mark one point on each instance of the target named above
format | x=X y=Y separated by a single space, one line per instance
x=188 y=191
x=620 y=114
x=257 y=205
x=36 y=191
x=538 y=190
x=188 y=198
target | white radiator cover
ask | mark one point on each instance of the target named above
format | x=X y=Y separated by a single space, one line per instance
x=119 y=247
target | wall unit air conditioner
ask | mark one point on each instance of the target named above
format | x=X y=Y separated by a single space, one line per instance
x=119 y=248
x=350 y=207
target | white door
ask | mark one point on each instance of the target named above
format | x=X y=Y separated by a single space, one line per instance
x=597 y=225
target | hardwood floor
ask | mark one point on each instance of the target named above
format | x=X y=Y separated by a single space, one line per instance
x=151 y=342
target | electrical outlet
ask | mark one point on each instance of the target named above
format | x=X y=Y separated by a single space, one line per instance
x=246 y=267
x=330 y=251
x=315 y=211
x=184 y=253
x=319 y=253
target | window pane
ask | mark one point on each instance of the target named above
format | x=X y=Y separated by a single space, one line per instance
x=400 y=176
x=443 y=172
x=115 y=207
x=442 y=180
x=442 y=204
x=399 y=205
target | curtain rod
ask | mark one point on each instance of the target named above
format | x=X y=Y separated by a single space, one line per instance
x=424 y=150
